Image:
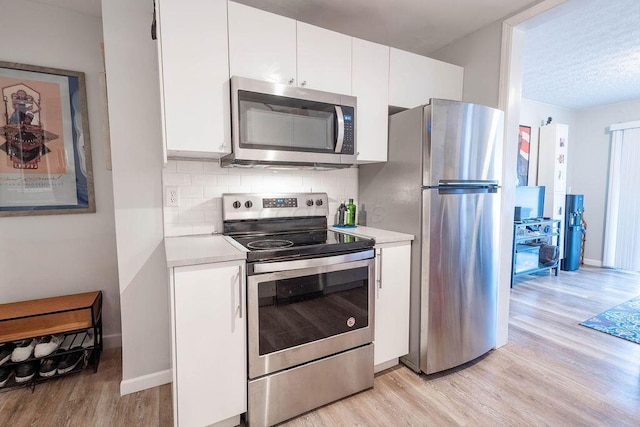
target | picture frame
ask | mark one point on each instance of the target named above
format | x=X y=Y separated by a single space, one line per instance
x=524 y=148
x=45 y=147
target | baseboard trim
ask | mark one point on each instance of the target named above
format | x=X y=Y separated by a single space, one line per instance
x=592 y=262
x=112 y=341
x=385 y=365
x=144 y=382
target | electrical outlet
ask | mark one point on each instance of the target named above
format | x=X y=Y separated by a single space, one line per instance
x=172 y=197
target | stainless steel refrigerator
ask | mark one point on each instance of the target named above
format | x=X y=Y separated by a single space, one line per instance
x=441 y=184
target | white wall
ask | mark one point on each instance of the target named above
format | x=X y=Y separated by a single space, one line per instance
x=136 y=146
x=50 y=255
x=479 y=54
x=533 y=114
x=589 y=167
x=201 y=185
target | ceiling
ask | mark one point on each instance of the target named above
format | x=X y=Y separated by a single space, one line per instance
x=581 y=54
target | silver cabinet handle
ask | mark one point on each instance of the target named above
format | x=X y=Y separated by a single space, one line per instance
x=240 y=291
x=379 y=272
x=304 y=83
x=291 y=81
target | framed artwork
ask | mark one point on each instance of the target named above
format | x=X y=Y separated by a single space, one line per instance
x=45 y=149
x=524 y=145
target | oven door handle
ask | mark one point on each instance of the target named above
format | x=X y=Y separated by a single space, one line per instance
x=270 y=267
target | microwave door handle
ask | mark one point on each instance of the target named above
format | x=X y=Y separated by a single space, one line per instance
x=340 y=120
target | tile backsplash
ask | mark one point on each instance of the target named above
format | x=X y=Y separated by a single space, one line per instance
x=201 y=185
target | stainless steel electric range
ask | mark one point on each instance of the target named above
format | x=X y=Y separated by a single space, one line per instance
x=310 y=304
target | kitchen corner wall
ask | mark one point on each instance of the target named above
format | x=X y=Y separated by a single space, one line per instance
x=50 y=255
x=201 y=185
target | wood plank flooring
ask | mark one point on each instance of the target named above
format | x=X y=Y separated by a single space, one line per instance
x=553 y=372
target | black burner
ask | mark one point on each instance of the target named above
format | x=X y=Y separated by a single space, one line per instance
x=269 y=244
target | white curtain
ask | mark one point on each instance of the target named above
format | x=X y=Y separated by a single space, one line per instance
x=622 y=225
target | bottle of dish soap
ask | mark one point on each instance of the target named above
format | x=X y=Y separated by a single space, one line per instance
x=351 y=213
x=342 y=214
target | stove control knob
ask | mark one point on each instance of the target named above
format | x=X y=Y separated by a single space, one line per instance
x=248 y=204
x=309 y=202
x=237 y=204
x=319 y=202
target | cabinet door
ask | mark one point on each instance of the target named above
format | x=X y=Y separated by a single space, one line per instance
x=446 y=80
x=209 y=343
x=262 y=45
x=392 y=302
x=370 y=85
x=324 y=59
x=415 y=79
x=195 y=80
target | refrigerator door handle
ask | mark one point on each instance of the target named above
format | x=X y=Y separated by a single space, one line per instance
x=461 y=187
x=467 y=183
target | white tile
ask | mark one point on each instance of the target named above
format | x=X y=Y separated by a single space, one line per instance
x=239 y=189
x=178 y=230
x=191 y=216
x=191 y=192
x=185 y=166
x=213 y=168
x=311 y=183
x=205 y=228
x=213 y=215
x=185 y=203
x=204 y=180
x=216 y=191
x=171 y=215
x=176 y=179
x=229 y=180
x=170 y=166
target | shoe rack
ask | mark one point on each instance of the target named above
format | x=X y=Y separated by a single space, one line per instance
x=75 y=317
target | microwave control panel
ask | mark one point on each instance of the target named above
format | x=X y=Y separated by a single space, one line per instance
x=348 y=146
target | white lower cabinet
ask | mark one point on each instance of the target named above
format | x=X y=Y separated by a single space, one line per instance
x=393 y=265
x=208 y=313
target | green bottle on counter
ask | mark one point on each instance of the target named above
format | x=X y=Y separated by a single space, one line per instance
x=351 y=213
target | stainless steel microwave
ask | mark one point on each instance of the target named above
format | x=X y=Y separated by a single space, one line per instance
x=280 y=125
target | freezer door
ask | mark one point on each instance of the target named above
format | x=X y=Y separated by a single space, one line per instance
x=459 y=276
x=462 y=141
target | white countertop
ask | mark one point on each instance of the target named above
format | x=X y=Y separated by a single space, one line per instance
x=380 y=236
x=201 y=249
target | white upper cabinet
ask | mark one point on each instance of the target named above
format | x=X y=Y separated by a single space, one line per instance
x=195 y=77
x=414 y=79
x=370 y=78
x=324 y=59
x=273 y=48
x=262 y=45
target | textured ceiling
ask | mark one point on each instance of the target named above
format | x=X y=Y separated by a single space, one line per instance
x=584 y=53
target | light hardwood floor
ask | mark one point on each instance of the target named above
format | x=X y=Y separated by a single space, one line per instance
x=553 y=372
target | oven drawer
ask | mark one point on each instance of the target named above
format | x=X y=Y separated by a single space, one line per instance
x=284 y=395
x=297 y=316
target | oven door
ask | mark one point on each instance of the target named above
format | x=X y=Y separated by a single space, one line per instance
x=298 y=314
